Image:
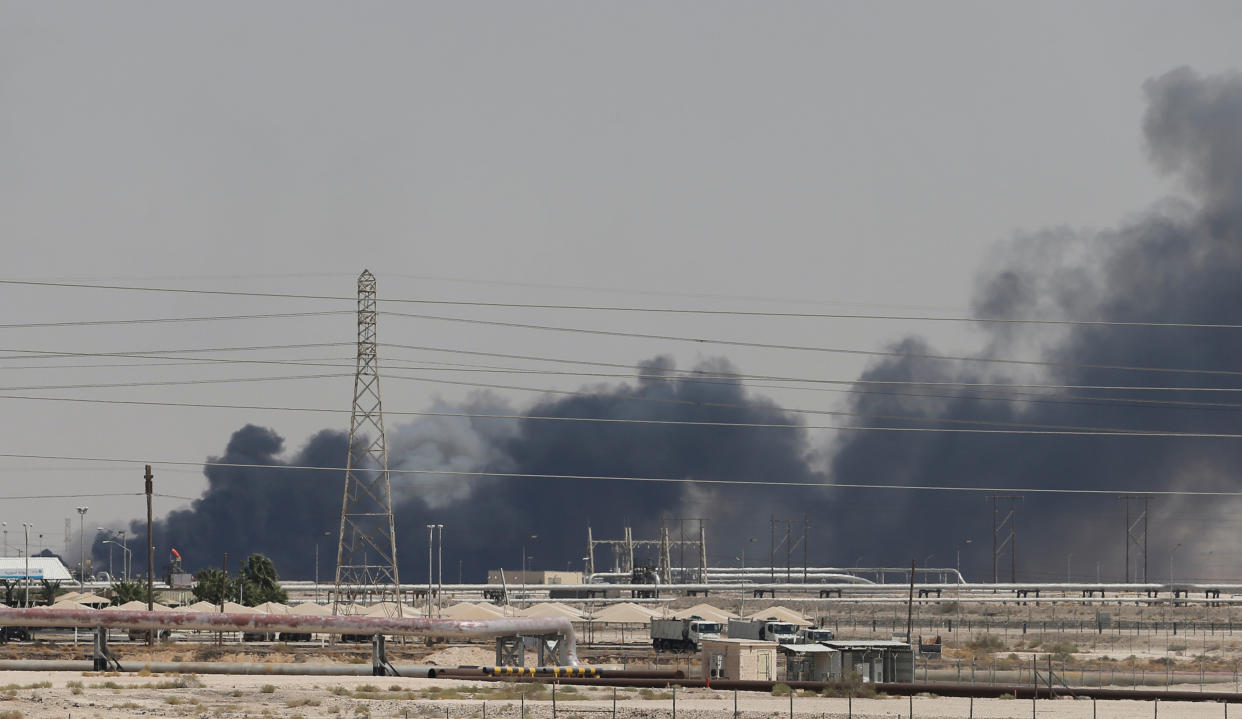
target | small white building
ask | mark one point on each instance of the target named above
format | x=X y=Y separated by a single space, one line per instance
x=739 y=659
x=46 y=568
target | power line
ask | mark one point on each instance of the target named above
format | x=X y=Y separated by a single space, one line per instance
x=160 y=320
x=682 y=374
x=804 y=348
x=70 y=496
x=163 y=383
x=632 y=309
x=668 y=480
x=163 y=354
x=602 y=420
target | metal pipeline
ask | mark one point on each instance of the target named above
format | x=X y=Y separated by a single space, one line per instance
x=302 y=624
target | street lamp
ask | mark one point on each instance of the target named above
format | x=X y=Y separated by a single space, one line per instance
x=5 y=526
x=532 y=538
x=1171 y=551
x=26 y=528
x=125 y=552
x=439 y=566
x=431 y=540
x=105 y=531
x=743 y=558
x=81 y=546
x=958 y=565
x=127 y=557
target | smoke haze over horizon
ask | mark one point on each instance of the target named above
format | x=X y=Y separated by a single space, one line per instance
x=1179 y=261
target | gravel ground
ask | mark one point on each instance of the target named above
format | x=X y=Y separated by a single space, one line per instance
x=126 y=695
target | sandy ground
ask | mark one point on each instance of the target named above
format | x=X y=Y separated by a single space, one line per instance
x=26 y=695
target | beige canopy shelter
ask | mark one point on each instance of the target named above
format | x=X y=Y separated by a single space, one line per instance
x=201 y=607
x=389 y=609
x=141 y=606
x=551 y=609
x=706 y=611
x=92 y=600
x=784 y=614
x=272 y=608
x=467 y=610
x=623 y=613
x=69 y=604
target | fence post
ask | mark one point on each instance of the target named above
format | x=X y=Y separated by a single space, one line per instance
x=792 y=691
x=911 y=707
x=523 y=703
x=553 y=700
x=674 y=702
x=614 y=704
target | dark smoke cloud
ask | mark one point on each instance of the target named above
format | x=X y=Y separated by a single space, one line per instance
x=487 y=520
x=1180 y=262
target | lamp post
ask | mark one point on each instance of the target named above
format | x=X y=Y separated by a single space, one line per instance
x=125 y=552
x=1171 y=551
x=743 y=557
x=110 y=574
x=1068 y=558
x=958 y=565
x=431 y=540
x=26 y=528
x=439 y=566
x=127 y=559
x=532 y=538
x=81 y=545
x=5 y=526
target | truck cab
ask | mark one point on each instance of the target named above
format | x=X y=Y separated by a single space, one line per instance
x=701 y=629
x=780 y=632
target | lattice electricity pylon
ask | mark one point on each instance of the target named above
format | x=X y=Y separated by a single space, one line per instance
x=366 y=555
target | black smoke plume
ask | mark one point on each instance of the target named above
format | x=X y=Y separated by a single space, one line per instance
x=283 y=512
x=1180 y=261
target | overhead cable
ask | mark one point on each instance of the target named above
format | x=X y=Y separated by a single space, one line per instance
x=668 y=480
x=614 y=308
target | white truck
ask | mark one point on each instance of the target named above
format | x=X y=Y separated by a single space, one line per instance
x=770 y=630
x=682 y=635
x=811 y=635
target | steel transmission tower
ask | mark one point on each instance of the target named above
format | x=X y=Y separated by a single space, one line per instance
x=366 y=555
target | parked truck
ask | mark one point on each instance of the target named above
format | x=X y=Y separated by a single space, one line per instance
x=770 y=630
x=812 y=635
x=682 y=635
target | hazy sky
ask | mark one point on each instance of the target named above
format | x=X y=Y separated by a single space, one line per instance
x=867 y=154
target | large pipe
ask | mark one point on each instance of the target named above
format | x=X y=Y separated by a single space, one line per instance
x=263 y=623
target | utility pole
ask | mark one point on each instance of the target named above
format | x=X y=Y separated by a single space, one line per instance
x=150 y=549
x=82 y=546
x=26 y=527
x=910 y=606
x=439 y=567
x=366 y=555
x=431 y=543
